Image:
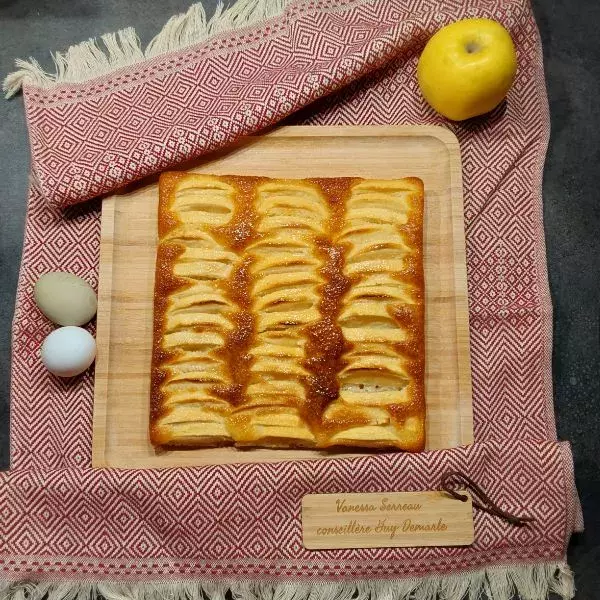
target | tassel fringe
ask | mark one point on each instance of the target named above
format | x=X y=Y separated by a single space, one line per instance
x=530 y=582
x=96 y=57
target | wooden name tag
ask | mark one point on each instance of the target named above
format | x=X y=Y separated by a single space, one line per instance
x=395 y=519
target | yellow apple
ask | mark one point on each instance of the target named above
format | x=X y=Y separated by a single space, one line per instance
x=467 y=68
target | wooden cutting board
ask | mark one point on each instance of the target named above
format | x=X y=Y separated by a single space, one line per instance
x=127 y=259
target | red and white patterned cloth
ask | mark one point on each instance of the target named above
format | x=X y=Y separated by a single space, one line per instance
x=59 y=519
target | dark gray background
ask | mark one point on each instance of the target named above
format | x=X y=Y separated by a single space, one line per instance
x=570 y=32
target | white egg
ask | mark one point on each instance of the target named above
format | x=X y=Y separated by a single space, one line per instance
x=68 y=351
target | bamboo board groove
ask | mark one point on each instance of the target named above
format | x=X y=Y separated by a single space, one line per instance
x=127 y=259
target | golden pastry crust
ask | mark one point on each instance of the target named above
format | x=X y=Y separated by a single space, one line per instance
x=288 y=313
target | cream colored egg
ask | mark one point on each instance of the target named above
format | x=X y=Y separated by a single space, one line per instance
x=65 y=298
x=68 y=351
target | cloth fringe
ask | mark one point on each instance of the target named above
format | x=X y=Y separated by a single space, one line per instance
x=95 y=57
x=530 y=582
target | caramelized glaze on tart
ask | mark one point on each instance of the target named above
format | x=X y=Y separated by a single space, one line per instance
x=288 y=313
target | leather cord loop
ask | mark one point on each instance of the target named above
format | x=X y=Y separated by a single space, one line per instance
x=452 y=479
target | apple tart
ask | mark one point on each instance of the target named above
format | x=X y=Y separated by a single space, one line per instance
x=288 y=313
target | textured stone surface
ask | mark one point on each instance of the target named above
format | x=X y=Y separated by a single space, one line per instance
x=571 y=39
